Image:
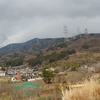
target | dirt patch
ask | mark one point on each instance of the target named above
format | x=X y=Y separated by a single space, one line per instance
x=76 y=77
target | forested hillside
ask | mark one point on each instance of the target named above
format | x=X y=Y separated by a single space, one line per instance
x=51 y=52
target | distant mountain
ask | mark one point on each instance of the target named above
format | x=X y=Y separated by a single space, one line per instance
x=76 y=50
x=11 y=46
x=83 y=42
x=29 y=47
x=16 y=46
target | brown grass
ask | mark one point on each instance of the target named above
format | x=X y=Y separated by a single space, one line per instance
x=90 y=91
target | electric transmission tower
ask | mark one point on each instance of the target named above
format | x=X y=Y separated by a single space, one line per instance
x=78 y=32
x=65 y=32
x=37 y=41
x=74 y=36
x=86 y=33
x=22 y=45
x=11 y=47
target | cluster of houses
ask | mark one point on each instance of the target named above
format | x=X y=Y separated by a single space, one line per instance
x=91 y=68
x=22 y=70
x=33 y=73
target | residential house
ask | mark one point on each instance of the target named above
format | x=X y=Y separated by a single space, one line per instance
x=95 y=68
x=2 y=73
x=83 y=66
x=10 y=72
x=50 y=69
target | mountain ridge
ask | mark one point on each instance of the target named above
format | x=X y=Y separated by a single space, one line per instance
x=34 y=48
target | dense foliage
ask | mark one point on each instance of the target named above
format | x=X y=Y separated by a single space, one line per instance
x=15 y=62
x=85 y=46
x=48 y=75
x=51 y=58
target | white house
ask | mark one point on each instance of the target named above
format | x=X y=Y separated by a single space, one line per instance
x=95 y=67
x=50 y=69
x=2 y=73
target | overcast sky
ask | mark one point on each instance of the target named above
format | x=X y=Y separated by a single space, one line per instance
x=22 y=20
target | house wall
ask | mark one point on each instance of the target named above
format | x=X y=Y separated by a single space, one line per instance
x=91 y=69
x=95 y=69
x=2 y=74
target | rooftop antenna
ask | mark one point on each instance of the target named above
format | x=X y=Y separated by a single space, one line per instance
x=65 y=32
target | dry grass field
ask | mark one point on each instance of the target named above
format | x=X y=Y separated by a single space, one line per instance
x=4 y=78
x=84 y=90
x=90 y=90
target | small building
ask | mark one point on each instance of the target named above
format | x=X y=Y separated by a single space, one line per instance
x=83 y=66
x=62 y=73
x=16 y=79
x=10 y=72
x=50 y=69
x=95 y=68
x=2 y=73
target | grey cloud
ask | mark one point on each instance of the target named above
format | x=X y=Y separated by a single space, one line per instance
x=45 y=18
x=23 y=9
x=2 y=37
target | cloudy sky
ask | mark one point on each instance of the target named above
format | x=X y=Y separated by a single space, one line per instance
x=22 y=20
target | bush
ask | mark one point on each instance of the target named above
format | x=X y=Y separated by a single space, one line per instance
x=62 y=45
x=15 y=62
x=85 y=46
x=48 y=75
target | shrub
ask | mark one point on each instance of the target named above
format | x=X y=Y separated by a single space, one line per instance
x=62 y=45
x=85 y=46
x=47 y=76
